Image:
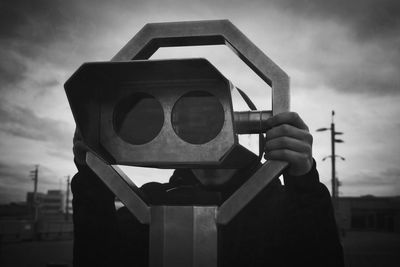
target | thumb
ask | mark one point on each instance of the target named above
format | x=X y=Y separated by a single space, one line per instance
x=79 y=148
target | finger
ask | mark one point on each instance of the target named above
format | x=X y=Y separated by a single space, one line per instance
x=290 y=156
x=288 y=143
x=291 y=118
x=289 y=131
x=299 y=163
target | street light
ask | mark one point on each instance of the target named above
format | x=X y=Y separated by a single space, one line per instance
x=322 y=129
x=334 y=181
x=338 y=156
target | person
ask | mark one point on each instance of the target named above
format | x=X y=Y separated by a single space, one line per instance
x=284 y=225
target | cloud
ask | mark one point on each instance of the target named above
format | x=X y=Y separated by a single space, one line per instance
x=23 y=33
x=24 y=123
x=28 y=28
x=12 y=69
x=35 y=24
x=372 y=182
x=363 y=55
x=19 y=172
x=369 y=19
x=390 y=176
x=43 y=31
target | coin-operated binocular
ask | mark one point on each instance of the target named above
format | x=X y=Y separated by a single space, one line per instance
x=174 y=114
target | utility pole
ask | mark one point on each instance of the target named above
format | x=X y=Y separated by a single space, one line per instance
x=333 y=159
x=35 y=177
x=67 y=200
x=334 y=180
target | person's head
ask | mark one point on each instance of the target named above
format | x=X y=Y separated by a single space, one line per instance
x=214 y=177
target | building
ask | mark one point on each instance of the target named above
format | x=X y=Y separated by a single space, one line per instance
x=53 y=202
x=51 y=205
x=16 y=211
x=54 y=205
x=30 y=198
x=42 y=217
x=369 y=213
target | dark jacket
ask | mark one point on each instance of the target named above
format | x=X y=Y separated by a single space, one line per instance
x=290 y=225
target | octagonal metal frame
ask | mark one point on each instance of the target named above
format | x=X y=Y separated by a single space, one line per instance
x=210 y=32
x=155 y=35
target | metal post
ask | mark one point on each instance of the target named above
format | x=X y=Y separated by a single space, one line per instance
x=182 y=236
x=333 y=158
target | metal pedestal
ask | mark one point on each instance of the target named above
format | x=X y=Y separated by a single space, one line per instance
x=183 y=236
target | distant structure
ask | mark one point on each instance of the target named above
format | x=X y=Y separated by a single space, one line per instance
x=30 y=200
x=42 y=217
x=369 y=213
x=52 y=205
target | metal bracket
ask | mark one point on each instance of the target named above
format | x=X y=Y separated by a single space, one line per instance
x=121 y=186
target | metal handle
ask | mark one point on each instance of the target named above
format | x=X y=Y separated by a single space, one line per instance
x=251 y=122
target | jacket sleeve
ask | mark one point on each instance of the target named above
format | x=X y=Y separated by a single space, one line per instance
x=310 y=221
x=94 y=217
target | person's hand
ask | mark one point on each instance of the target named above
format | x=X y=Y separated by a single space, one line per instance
x=288 y=139
x=79 y=148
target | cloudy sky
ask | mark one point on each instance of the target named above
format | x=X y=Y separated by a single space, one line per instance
x=340 y=55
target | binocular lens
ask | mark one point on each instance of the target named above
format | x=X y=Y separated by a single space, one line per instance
x=197 y=117
x=138 y=119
